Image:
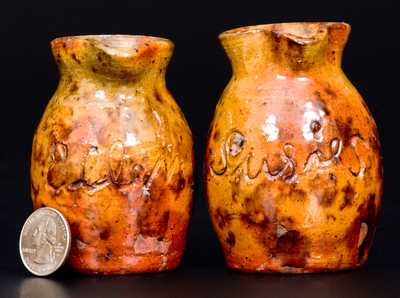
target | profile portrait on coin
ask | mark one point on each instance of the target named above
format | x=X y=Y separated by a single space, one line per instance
x=44 y=239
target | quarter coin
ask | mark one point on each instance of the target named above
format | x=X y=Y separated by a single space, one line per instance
x=45 y=241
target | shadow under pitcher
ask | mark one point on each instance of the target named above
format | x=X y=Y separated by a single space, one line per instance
x=114 y=154
x=293 y=168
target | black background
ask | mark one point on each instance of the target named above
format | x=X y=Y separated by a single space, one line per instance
x=196 y=77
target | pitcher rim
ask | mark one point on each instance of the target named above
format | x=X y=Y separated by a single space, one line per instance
x=268 y=26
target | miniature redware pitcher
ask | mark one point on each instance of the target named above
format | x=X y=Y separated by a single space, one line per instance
x=293 y=168
x=114 y=154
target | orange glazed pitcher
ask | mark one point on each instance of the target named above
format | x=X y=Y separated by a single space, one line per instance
x=293 y=167
x=114 y=154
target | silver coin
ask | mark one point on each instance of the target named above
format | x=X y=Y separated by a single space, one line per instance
x=45 y=241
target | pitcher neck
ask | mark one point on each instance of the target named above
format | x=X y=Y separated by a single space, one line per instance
x=286 y=47
x=113 y=59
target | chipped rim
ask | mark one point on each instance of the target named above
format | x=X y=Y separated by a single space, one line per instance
x=265 y=27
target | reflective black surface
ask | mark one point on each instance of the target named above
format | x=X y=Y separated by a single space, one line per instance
x=206 y=282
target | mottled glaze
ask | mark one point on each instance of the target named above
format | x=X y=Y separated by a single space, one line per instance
x=293 y=168
x=114 y=154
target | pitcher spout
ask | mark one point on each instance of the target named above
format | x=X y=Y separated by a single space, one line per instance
x=295 y=46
